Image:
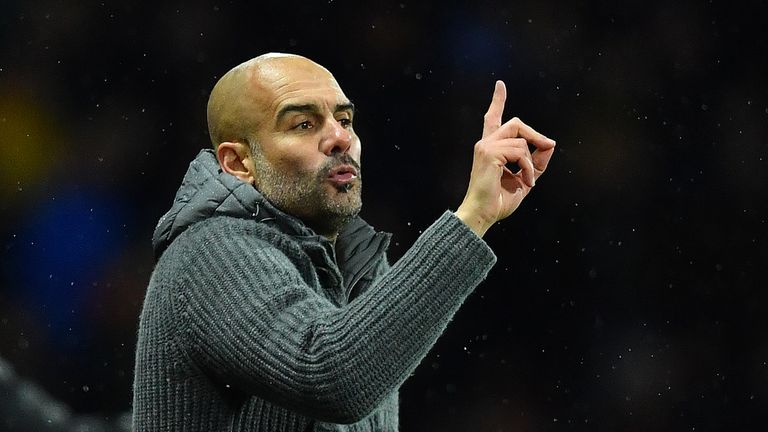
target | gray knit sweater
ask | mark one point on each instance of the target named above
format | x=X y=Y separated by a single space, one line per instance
x=252 y=322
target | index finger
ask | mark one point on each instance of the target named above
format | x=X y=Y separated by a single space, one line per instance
x=492 y=118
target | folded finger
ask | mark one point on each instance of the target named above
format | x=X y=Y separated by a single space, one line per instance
x=523 y=159
x=540 y=159
x=515 y=128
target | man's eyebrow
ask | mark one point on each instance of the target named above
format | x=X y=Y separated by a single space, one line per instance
x=349 y=106
x=311 y=108
x=300 y=108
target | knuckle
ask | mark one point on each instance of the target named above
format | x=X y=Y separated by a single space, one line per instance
x=482 y=147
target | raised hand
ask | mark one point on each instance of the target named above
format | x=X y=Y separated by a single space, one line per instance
x=494 y=191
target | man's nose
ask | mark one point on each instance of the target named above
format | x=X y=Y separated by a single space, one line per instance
x=337 y=138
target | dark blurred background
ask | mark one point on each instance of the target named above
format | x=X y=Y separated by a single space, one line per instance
x=631 y=285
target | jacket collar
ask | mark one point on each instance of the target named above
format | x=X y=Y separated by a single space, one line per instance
x=207 y=191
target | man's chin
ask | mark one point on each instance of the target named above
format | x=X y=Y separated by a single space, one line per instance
x=347 y=202
x=343 y=193
x=330 y=222
x=345 y=187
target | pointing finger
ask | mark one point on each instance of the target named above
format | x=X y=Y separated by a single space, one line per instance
x=492 y=118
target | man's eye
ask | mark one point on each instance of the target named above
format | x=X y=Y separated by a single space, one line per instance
x=304 y=125
x=345 y=122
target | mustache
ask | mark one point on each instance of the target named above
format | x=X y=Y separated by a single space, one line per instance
x=336 y=160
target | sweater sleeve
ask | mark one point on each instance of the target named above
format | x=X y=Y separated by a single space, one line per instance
x=250 y=319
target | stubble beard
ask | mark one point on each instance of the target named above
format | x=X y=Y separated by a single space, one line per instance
x=308 y=195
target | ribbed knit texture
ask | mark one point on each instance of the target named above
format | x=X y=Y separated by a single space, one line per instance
x=247 y=328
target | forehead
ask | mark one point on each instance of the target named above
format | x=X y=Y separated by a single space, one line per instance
x=296 y=81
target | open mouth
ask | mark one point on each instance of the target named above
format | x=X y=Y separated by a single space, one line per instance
x=343 y=174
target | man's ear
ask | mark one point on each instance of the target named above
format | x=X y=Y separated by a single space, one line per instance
x=235 y=158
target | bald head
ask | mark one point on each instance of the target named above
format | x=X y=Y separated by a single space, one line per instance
x=282 y=123
x=240 y=96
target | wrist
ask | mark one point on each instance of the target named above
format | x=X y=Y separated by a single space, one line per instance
x=477 y=224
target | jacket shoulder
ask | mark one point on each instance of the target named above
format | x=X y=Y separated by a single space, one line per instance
x=224 y=231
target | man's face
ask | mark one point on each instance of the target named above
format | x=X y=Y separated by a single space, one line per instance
x=306 y=155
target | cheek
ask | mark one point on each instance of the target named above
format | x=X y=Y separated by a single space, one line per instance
x=299 y=165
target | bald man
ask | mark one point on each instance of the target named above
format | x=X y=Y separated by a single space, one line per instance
x=272 y=306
